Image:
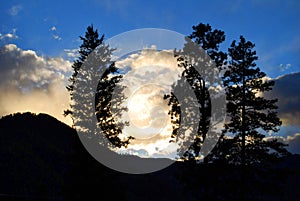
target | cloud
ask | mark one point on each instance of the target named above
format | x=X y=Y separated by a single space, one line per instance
x=53 y=28
x=14 y=10
x=150 y=66
x=287 y=90
x=294 y=143
x=9 y=36
x=284 y=67
x=55 y=35
x=151 y=152
x=29 y=82
x=149 y=75
x=136 y=152
x=287 y=52
x=72 y=53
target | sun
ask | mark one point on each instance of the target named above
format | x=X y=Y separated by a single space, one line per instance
x=138 y=111
x=147 y=112
x=148 y=78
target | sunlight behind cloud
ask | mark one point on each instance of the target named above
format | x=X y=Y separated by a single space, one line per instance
x=33 y=83
x=151 y=74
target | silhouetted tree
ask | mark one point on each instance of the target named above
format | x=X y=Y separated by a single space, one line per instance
x=89 y=44
x=195 y=59
x=250 y=114
x=109 y=109
x=91 y=87
x=210 y=41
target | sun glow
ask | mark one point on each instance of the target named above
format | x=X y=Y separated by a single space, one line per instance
x=151 y=76
x=139 y=113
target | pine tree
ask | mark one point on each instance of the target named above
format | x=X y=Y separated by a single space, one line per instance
x=193 y=57
x=250 y=114
x=89 y=44
x=90 y=83
x=210 y=40
x=109 y=109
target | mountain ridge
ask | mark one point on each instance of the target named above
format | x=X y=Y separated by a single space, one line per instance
x=42 y=158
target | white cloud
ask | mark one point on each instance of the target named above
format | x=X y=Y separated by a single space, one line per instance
x=150 y=75
x=11 y=35
x=72 y=53
x=284 y=67
x=14 y=10
x=56 y=37
x=140 y=152
x=150 y=66
x=53 y=28
x=29 y=82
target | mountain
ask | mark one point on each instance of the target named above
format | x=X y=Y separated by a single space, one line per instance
x=44 y=159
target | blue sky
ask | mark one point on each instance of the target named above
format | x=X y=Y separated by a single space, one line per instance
x=272 y=25
x=39 y=34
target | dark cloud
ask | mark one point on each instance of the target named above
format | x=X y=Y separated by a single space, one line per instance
x=294 y=143
x=287 y=90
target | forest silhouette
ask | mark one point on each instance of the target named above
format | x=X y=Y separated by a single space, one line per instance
x=43 y=159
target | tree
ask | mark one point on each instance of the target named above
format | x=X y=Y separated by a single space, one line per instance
x=108 y=102
x=89 y=43
x=210 y=41
x=91 y=83
x=250 y=114
x=197 y=69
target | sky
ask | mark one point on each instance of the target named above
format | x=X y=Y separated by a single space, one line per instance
x=39 y=39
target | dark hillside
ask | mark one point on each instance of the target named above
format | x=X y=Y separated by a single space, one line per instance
x=43 y=159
